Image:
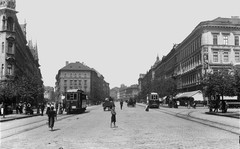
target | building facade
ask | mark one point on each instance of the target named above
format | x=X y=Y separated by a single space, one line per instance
x=79 y=76
x=18 y=57
x=211 y=46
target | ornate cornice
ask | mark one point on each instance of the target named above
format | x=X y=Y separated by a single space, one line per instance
x=8 y=4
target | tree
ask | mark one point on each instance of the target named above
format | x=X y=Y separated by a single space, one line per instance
x=219 y=83
x=237 y=81
x=6 y=91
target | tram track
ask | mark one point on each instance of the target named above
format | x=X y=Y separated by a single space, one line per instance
x=41 y=124
x=27 y=124
x=187 y=116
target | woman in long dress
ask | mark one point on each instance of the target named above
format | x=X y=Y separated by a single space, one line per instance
x=51 y=118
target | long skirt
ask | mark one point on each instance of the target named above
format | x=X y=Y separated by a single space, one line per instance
x=51 y=122
x=113 y=118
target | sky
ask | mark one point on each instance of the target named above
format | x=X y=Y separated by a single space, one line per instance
x=119 y=38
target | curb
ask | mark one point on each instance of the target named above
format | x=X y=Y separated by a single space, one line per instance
x=231 y=116
x=15 y=118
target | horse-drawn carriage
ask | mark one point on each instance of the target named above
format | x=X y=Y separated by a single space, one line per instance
x=131 y=102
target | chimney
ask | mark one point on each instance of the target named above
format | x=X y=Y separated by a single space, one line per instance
x=66 y=63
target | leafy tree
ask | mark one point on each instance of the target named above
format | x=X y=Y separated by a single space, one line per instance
x=237 y=81
x=219 y=83
x=6 y=91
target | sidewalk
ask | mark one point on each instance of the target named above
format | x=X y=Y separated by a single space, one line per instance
x=15 y=116
x=233 y=113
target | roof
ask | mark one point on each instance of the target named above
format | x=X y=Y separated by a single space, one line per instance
x=76 y=66
x=74 y=90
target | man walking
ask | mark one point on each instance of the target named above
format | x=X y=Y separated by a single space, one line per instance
x=121 y=104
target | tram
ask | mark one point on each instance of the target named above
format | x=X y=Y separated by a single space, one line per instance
x=76 y=101
x=153 y=100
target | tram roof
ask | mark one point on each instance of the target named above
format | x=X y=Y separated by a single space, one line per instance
x=74 y=90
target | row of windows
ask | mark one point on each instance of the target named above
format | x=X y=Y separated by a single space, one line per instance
x=191 y=62
x=75 y=82
x=225 y=55
x=10 y=47
x=8 y=23
x=191 y=48
x=225 y=38
x=9 y=69
x=76 y=75
x=193 y=78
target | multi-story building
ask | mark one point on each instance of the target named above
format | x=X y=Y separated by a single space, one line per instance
x=114 y=93
x=49 y=94
x=17 y=56
x=128 y=92
x=79 y=76
x=211 y=46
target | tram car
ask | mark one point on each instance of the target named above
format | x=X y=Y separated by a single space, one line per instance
x=76 y=101
x=153 y=100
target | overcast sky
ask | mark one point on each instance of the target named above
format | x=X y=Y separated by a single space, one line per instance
x=118 y=38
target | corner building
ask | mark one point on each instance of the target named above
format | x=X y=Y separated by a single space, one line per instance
x=211 y=46
x=18 y=57
x=79 y=76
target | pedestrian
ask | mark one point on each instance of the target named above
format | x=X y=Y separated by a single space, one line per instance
x=20 y=108
x=121 y=104
x=48 y=108
x=52 y=116
x=113 y=117
x=42 y=108
x=2 y=109
x=17 y=108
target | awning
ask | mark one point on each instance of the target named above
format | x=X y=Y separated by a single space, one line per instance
x=197 y=95
x=229 y=98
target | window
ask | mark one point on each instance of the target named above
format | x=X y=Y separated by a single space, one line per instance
x=4 y=20
x=2 y=47
x=215 y=40
x=71 y=81
x=215 y=56
x=65 y=82
x=10 y=47
x=236 y=40
x=237 y=56
x=9 y=69
x=225 y=56
x=225 y=39
x=75 y=82
x=85 y=82
x=2 y=69
x=80 y=82
x=10 y=24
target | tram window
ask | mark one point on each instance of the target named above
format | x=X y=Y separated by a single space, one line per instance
x=154 y=97
x=75 y=97
x=68 y=96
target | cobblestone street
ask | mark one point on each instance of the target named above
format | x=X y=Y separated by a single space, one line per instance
x=135 y=129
